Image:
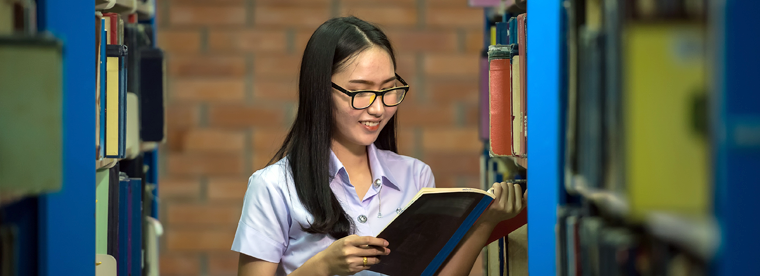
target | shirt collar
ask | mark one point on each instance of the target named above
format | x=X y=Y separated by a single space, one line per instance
x=375 y=164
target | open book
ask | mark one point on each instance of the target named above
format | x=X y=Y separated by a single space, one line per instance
x=423 y=236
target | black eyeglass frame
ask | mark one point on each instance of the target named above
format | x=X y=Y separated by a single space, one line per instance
x=380 y=93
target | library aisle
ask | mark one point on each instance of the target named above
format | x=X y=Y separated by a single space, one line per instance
x=645 y=127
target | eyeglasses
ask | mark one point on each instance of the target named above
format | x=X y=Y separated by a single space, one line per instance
x=362 y=99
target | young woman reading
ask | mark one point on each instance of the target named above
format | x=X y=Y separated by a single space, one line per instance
x=337 y=180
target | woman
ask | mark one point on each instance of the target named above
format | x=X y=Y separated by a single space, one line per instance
x=339 y=179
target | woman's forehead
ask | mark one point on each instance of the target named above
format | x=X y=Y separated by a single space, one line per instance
x=371 y=64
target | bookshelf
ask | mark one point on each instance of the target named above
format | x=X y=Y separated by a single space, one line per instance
x=503 y=115
x=61 y=227
x=544 y=143
x=711 y=236
x=66 y=221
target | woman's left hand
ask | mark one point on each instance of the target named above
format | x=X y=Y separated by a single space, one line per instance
x=509 y=202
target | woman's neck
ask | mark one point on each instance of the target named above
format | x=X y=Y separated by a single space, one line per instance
x=352 y=156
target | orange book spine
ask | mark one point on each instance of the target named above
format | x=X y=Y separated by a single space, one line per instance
x=500 y=117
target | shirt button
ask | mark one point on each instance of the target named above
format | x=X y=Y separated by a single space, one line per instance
x=398 y=210
x=362 y=218
x=377 y=183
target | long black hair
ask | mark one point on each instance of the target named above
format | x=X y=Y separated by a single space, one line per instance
x=307 y=145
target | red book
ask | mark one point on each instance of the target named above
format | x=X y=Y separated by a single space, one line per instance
x=499 y=107
x=113 y=28
x=505 y=227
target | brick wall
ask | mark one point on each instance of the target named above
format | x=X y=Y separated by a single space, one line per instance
x=232 y=95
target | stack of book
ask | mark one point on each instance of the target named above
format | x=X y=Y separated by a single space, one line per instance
x=130 y=110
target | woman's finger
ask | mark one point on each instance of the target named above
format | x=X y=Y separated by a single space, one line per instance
x=497 y=191
x=368 y=240
x=518 y=197
x=373 y=251
x=509 y=203
x=373 y=260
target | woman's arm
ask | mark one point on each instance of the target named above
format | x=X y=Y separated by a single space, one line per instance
x=343 y=257
x=509 y=202
x=249 y=266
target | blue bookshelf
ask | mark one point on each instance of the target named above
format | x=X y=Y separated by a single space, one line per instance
x=544 y=140
x=66 y=219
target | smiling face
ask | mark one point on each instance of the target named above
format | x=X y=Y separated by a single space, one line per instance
x=372 y=69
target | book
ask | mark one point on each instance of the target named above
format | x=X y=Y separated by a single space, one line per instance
x=115 y=102
x=516 y=108
x=101 y=98
x=6 y=17
x=133 y=127
x=517 y=252
x=31 y=115
x=114 y=197
x=667 y=142
x=496 y=257
x=499 y=102
x=101 y=211
x=99 y=53
x=590 y=121
x=522 y=40
x=153 y=95
x=124 y=259
x=23 y=16
x=153 y=230
x=447 y=212
x=135 y=227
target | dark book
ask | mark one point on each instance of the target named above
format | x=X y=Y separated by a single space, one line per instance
x=153 y=95
x=114 y=203
x=423 y=236
x=136 y=227
x=125 y=213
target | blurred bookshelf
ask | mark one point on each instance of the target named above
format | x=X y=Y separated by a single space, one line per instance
x=641 y=135
x=62 y=112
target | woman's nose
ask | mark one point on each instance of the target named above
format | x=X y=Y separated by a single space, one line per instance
x=377 y=108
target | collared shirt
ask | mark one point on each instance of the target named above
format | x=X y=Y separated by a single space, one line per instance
x=270 y=224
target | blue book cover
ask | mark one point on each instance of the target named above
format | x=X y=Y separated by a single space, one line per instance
x=502 y=33
x=503 y=259
x=123 y=105
x=125 y=204
x=103 y=93
x=136 y=227
x=512 y=30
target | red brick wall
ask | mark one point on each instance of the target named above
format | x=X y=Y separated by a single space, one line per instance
x=232 y=95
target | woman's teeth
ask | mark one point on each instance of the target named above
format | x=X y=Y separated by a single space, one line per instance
x=370 y=123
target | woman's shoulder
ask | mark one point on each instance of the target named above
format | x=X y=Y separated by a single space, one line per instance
x=275 y=175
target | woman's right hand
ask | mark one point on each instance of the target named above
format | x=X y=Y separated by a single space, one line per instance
x=346 y=256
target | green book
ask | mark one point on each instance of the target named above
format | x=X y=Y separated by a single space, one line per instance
x=31 y=115
x=101 y=212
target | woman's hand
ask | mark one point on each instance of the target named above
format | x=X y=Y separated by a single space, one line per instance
x=346 y=256
x=509 y=202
